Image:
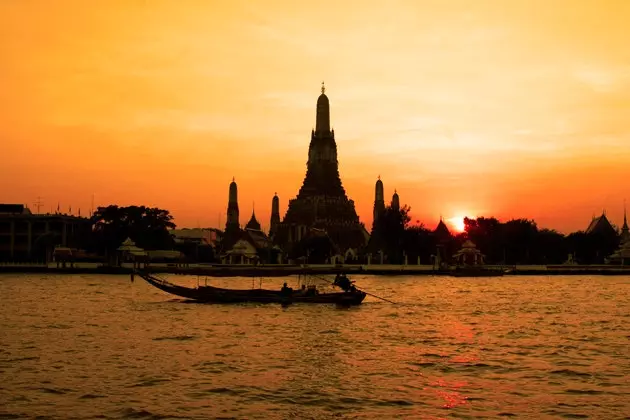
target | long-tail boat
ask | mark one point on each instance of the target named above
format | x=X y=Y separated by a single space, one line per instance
x=210 y=294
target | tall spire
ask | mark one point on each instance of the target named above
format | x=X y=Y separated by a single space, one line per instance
x=232 y=222
x=395 y=201
x=379 y=201
x=322 y=120
x=275 y=215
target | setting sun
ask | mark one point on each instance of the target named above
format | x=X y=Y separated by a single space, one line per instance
x=457 y=223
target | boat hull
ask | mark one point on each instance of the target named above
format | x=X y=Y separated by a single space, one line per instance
x=209 y=294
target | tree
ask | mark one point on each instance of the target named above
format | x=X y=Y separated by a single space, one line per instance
x=550 y=247
x=388 y=233
x=418 y=241
x=146 y=226
x=487 y=235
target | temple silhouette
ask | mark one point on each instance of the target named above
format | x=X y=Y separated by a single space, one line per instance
x=323 y=212
x=321 y=202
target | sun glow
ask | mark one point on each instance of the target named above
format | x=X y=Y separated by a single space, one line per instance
x=457 y=223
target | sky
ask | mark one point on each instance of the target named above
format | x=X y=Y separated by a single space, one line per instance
x=500 y=108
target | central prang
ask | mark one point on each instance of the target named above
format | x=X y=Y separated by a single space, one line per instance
x=322 y=202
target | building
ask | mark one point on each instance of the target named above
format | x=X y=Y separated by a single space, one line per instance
x=25 y=236
x=601 y=226
x=441 y=233
x=321 y=202
x=252 y=247
x=198 y=244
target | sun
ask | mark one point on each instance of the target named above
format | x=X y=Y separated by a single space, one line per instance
x=457 y=223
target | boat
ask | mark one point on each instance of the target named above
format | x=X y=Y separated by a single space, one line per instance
x=211 y=294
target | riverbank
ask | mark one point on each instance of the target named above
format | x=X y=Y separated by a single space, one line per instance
x=291 y=270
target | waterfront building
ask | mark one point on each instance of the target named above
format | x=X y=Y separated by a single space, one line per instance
x=25 y=236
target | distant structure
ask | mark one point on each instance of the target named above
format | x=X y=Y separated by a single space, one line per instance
x=441 y=232
x=232 y=225
x=625 y=234
x=379 y=200
x=249 y=245
x=275 y=215
x=253 y=223
x=25 y=236
x=322 y=202
x=600 y=225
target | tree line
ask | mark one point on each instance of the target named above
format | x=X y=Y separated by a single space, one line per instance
x=516 y=241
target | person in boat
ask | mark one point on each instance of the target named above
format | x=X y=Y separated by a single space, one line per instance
x=286 y=290
x=344 y=283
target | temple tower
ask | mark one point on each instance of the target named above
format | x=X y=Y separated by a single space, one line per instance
x=379 y=199
x=625 y=233
x=275 y=215
x=395 y=201
x=321 y=202
x=232 y=223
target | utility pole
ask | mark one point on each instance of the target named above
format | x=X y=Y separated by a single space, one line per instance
x=38 y=203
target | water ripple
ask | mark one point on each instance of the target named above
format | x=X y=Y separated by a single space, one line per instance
x=97 y=347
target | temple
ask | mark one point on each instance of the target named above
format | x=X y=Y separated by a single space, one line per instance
x=321 y=202
x=600 y=226
x=441 y=232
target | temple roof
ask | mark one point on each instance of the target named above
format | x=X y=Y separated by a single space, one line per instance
x=441 y=229
x=253 y=223
x=600 y=225
x=258 y=238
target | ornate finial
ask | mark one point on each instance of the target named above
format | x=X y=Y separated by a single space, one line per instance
x=323 y=88
x=379 y=177
x=233 y=179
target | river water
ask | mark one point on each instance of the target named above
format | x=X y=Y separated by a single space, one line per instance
x=103 y=347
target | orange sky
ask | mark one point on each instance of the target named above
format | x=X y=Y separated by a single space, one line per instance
x=506 y=108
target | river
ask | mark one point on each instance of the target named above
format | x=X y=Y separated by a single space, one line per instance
x=88 y=346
